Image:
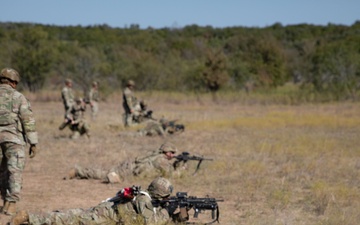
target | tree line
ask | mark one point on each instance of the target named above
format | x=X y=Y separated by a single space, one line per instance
x=318 y=59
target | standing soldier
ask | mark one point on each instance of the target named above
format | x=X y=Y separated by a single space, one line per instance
x=130 y=103
x=17 y=127
x=94 y=99
x=67 y=96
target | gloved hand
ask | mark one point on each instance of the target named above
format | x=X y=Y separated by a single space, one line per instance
x=32 y=151
x=184 y=215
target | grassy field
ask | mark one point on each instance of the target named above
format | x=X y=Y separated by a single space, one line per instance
x=273 y=164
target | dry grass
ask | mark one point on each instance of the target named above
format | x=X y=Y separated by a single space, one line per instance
x=274 y=164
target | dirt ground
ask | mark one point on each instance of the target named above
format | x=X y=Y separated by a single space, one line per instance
x=239 y=173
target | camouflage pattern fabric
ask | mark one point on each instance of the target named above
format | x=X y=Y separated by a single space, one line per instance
x=143 y=206
x=152 y=128
x=153 y=164
x=21 y=129
x=94 y=99
x=12 y=166
x=79 y=126
x=67 y=96
x=135 y=212
x=159 y=128
x=101 y=214
x=130 y=105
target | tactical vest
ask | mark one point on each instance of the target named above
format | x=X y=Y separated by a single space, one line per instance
x=7 y=116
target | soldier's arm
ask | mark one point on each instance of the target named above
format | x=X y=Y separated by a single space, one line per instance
x=28 y=120
x=144 y=207
x=129 y=100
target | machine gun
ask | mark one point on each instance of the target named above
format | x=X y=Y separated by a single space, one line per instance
x=185 y=156
x=197 y=204
x=171 y=126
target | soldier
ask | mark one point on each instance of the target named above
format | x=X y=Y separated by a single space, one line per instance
x=156 y=162
x=133 y=210
x=94 y=99
x=78 y=123
x=130 y=104
x=17 y=127
x=67 y=96
x=162 y=128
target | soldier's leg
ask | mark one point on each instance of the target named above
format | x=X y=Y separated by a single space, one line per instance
x=85 y=129
x=101 y=214
x=128 y=119
x=59 y=218
x=94 y=110
x=4 y=175
x=90 y=173
x=15 y=155
x=75 y=135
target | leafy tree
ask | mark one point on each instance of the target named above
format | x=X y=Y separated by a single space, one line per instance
x=215 y=74
x=336 y=68
x=34 y=57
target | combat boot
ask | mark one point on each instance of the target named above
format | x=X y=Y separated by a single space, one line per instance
x=72 y=174
x=113 y=178
x=11 y=209
x=20 y=218
x=5 y=207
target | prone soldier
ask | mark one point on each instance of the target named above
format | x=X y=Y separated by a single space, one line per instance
x=130 y=208
x=156 y=162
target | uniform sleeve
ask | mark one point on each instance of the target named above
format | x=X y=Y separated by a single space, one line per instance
x=151 y=215
x=163 y=165
x=144 y=208
x=28 y=121
x=129 y=99
x=67 y=95
x=91 y=95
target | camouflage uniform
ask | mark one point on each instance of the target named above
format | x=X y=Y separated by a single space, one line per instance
x=152 y=128
x=94 y=99
x=154 y=163
x=67 y=96
x=78 y=124
x=161 y=128
x=100 y=214
x=17 y=127
x=130 y=104
x=138 y=210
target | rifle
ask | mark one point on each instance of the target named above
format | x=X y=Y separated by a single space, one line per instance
x=198 y=204
x=185 y=156
x=65 y=123
x=175 y=127
x=125 y=195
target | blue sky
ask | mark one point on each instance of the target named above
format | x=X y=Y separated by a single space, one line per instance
x=180 y=13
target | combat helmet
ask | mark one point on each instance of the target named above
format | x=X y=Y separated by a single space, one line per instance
x=10 y=74
x=160 y=188
x=168 y=147
x=79 y=100
x=130 y=83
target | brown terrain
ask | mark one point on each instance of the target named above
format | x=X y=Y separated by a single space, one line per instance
x=273 y=164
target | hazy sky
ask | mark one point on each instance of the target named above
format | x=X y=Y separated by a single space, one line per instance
x=180 y=13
